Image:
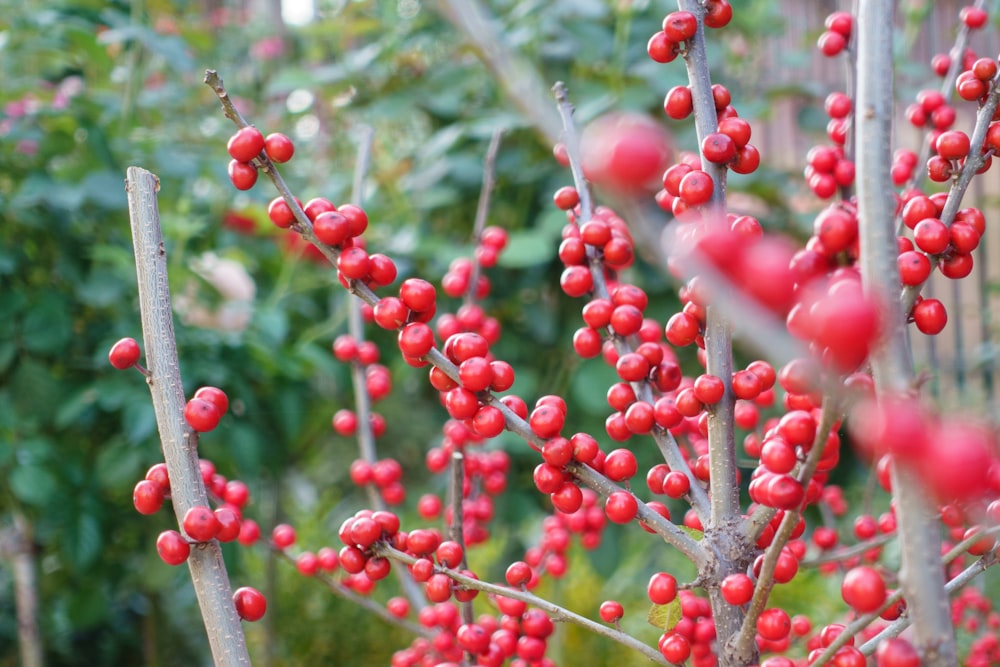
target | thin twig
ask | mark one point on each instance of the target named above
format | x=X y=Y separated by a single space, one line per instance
x=947 y=89
x=361 y=601
x=483 y=209
x=665 y=441
x=362 y=400
x=743 y=642
x=862 y=622
x=960 y=184
x=555 y=612
x=456 y=496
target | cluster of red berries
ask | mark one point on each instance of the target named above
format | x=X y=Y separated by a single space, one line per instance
x=827 y=168
x=817 y=289
x=519 y=635
x=202 y=524
x=246 y=146
x=206 y=408
x=681 y=27
x=456 y=281
x=837 y=36
x=484 y=478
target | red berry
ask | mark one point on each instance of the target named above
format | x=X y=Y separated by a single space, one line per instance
x=718 y=13
x=863 y=589
x=621 y=507
x=930 y=316
x=680 y=26
x=831 y=43
x=229 y=524
x=709 y=389
x=279 y=147
x=952 y=145
x=147 y=497
x=931 y=235
x=678 y=105
x=662 y=588
x=896 y=653
x=249 y=532
x=719 y=148
x=696 y=188
x=246 y=144
x=172 y=547
x=774 y=624
x=243 y=175
x=124 y=354
x=566 y=197
x=418 y=295
x=661 y=49
x=250 y=603
x=215 y=396
x=279 y=213
x=354 y=263
x=840 y=22
x=416 y=339
x=625 y=151
x=914 y=267
x=737 y=589
x=611 y=611
x=201 y=414
x=675 y=647
x=973 y=17
x=283 y=536
x=331 y=228
x=200 y=523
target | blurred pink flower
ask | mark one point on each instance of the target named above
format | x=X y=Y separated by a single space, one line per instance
x=268 y=48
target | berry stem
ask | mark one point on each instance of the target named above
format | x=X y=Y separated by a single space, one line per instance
x=948 y=91
x=516 y=75
x=900 y=624
x=456 y=531
x=957 y=583
x=179 y=442
x=665 y=441
x=844 y=553
x=961 y=183
x=362 y=400
x=365 y=603
x=922 y=572
x=556 y=612
x=483 y=209
x=718 y=333
x=743 y=643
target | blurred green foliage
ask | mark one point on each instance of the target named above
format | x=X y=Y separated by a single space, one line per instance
x=91 y=87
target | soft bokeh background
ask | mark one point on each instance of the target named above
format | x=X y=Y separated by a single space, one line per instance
x=92 y=87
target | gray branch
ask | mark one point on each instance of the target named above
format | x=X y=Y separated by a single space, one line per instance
x=179 y=442
x=922 y=570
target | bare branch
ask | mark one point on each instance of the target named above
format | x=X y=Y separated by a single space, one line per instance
x=179 y=441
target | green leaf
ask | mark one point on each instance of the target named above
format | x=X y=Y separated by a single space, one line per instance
x=82 y=540
x=32 y=484
x=105 y=189
x=72 y=408
x=693 y=532
x=118 y=465
x=48 y=325
x=665 y=616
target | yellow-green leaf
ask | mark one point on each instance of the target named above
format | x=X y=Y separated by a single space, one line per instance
x=693 y=532
x=665 y=616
